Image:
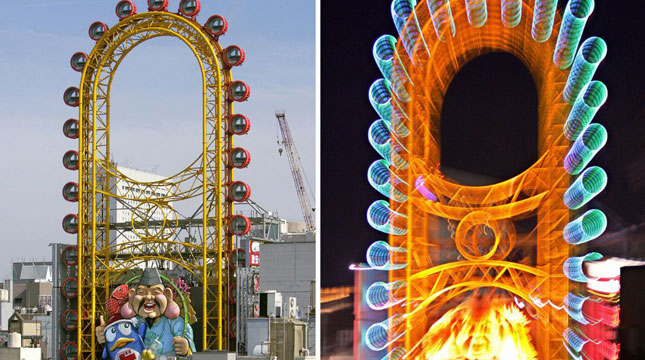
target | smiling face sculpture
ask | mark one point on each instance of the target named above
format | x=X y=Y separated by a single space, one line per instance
x=150 y=299
x=150 y=302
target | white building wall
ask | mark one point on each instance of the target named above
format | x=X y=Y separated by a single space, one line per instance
x=46 y=330
x=6 y=310
x=20 y=354
x=122 y=211
x=296 y=227
x=289 y=268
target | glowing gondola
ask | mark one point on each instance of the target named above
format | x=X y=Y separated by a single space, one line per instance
x=381 y=256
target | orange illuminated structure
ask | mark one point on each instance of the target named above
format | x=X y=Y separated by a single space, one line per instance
x=516 y=239
x=466 y=332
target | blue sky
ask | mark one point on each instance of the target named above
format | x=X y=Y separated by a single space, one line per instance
x=156 y=97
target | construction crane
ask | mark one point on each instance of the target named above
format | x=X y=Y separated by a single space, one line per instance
x=296 y=169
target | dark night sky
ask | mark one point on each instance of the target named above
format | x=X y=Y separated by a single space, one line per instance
x=469 y=142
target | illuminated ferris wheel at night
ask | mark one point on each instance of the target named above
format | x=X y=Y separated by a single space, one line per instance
x=199 y=243
x=494 y=271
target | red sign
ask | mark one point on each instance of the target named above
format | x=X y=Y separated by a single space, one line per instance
x=254 y=253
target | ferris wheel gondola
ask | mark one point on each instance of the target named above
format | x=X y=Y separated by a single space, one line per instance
x=239 y=124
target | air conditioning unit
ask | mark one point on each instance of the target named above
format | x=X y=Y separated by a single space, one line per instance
x=292 y=308
x=271 y=304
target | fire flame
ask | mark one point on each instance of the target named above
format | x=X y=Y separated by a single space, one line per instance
x=480 y=329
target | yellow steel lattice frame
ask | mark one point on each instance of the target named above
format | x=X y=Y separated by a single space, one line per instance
x=100 y=260
x=432 y=279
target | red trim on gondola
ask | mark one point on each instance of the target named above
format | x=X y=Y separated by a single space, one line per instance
x=64 y=165
x=64 y=323
x=62 y=350
x=65 y=217
x=70 y=200
x=246 y=162
x=232 y=328
x=238 y=62
x=66 y=249
x=105 y=29
x=198 y=7
x=132 y=12
x=232 y=289
x=230 y=191
x=71 y=62
x=244 y=97
x=224 y=26
x=246 y=129
x=162 y=7
x=65 y=97
x=62 y=288
x=247 y=228
x=65 y=125
x=231 y=263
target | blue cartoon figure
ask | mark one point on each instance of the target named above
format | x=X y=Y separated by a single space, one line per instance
x=124 y=342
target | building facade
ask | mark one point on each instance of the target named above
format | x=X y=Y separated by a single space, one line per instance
x=126 y=213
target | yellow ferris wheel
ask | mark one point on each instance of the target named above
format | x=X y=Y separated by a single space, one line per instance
x=106 y=256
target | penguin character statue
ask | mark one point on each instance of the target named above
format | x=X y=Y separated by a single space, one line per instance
x=124 y=342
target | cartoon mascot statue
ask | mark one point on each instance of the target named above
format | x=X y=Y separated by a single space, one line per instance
x=144 y=322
